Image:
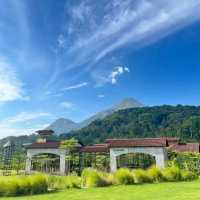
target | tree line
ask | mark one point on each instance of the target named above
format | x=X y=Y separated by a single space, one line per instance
x=174 y=121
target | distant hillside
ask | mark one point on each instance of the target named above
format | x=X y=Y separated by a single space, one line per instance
x=63 y=125
x=179 y=121
x=20 y=141
x=124 y=104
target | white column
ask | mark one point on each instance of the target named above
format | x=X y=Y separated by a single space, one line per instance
x=113 y=161
x=161 y=159
x=28 y=165
x=62 y=164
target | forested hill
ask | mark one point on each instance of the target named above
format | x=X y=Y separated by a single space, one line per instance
x=179 y=121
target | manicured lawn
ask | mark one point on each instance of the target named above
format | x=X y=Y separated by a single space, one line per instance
x=161 y=191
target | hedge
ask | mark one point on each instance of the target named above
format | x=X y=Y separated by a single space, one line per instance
x=23 y=185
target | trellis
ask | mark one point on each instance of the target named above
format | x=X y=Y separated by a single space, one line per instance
x=11 y=161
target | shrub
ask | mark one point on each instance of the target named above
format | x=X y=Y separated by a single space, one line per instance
x=124 y=176
x=155 y=174
x=55 y=182
x=10 y=188
x=22 y=185
x=141 y=176
x=110 y=179
x=92 y=178
x=38 y=184
x=188 y=176
x=63 y=182
x=172 y=174
x=73 y=181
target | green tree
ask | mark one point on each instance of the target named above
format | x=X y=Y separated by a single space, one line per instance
x=69 y=145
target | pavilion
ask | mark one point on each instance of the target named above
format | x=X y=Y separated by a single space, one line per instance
x=155 y=147
x=46 y=145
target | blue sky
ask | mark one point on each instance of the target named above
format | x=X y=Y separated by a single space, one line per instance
x=74 y=58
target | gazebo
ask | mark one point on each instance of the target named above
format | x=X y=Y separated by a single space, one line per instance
x=45 y=145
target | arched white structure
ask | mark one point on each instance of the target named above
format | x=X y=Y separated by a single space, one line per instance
x=160 y=154
x=33 y=152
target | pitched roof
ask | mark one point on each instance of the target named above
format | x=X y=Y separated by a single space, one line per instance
x=114 y=143
x=45 y=132
x=140 y=142
x=188 y=147
x=97 y=148
x=45 y=145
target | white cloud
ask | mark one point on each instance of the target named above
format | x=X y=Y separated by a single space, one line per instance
x=10 y=86
x=126 y=69
x=17 y=125
x=103 y=77
x=67 y=104
x=80 y=85
x=119 y=70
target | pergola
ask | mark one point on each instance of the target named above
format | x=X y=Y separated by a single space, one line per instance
x=155 y=147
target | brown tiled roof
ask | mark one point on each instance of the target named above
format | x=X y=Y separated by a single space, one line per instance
x=189 y=147
x=95 y=148
x=140 y=142
x=45 y=132
x=47 y=145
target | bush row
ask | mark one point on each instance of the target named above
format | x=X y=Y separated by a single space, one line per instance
x=35 y=184
x=23 y=185
x=94 y=178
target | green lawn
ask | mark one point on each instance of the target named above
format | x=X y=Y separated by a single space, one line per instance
x=161 y=191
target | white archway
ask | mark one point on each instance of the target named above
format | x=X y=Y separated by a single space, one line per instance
x=160 y=154
x=33 y=152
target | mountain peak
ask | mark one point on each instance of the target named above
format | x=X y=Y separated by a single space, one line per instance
x=62 y=125
x=128 y=103
x=64 y=120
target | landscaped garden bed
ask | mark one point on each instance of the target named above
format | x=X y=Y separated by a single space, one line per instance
x=36 y=184
x=160 y=191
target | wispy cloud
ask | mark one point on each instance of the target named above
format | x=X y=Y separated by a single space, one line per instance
x=135 y=22
x=81 y=11
x=22 y=123
x=76 y=86
x=11 y=88
x=67 y=105
x=26 y=116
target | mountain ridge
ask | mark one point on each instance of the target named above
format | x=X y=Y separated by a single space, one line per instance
x=63 y=126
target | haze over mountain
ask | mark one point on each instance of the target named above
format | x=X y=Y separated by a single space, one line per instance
x=63 y=125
